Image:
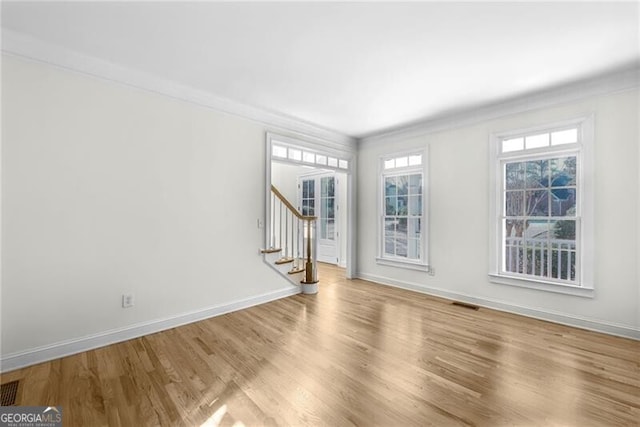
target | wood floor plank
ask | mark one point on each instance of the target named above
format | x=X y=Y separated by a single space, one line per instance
x=354 y=354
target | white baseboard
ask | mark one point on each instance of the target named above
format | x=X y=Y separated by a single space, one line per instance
x=57 y=350
x=561 y=318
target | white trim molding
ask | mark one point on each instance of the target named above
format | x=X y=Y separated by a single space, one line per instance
x=582 y=149
x=60 y=349
x=407 y=265
x=346 y=153
x=625 y=78
x=535 y=313
x=422 y=263
x=31 y=48
x=542 y=285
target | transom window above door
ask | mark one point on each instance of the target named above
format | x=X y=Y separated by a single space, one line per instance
x=309 y=157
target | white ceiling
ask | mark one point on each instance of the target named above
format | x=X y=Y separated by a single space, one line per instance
x=357 y=68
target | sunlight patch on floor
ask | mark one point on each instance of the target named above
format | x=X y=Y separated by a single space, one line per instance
x=214 y=420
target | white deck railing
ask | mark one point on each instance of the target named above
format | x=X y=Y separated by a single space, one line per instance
x=552 y=258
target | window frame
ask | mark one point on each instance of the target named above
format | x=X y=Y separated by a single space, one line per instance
x=421 y=264
x=583 y=150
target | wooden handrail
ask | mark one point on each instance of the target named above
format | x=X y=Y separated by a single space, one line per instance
x=290 y=206
x=297 y=239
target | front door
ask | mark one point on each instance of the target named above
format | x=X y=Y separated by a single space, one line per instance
x=318 y=197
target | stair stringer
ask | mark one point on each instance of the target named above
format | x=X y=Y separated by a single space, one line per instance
x=283 y=269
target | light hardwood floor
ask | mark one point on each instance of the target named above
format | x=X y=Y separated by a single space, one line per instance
x=354 y=354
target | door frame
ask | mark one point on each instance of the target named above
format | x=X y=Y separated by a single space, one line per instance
x=325 y=148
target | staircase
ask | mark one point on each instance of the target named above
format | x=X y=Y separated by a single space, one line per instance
x=292 y=243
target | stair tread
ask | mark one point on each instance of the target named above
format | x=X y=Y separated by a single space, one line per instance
x=296 y=270
x=284 y=260
x=270 y=250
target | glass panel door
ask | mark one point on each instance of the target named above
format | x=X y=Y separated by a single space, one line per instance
x=318 y=197
x=327 y=208
x=308 y=197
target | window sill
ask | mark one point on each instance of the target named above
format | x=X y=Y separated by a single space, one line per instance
x=409 y=265
x=542 y=285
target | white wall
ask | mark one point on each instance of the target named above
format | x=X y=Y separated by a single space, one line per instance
x=459 y=240
x=284 y=176
x=107 y=190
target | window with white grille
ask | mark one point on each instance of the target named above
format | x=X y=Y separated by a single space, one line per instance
x=403 y=231
x=541 y=210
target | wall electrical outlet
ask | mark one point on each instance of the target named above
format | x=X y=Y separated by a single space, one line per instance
x=432 y=271
x=260 y=223
x=127 y=300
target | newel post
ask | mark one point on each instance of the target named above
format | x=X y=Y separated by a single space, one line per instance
x=310 y=282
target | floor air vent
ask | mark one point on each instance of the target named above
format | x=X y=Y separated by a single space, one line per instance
x=465 y=305
x=9 y=393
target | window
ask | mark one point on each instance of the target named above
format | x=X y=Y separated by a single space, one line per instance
x=403 y=219
x=297 y=155
x=542 y=207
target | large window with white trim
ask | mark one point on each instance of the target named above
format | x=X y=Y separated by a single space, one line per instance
x=541 y=218
x=403 y=213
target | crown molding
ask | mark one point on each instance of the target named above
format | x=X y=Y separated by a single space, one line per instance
x=21 y=45
x=31 y=48
x=618 y=80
